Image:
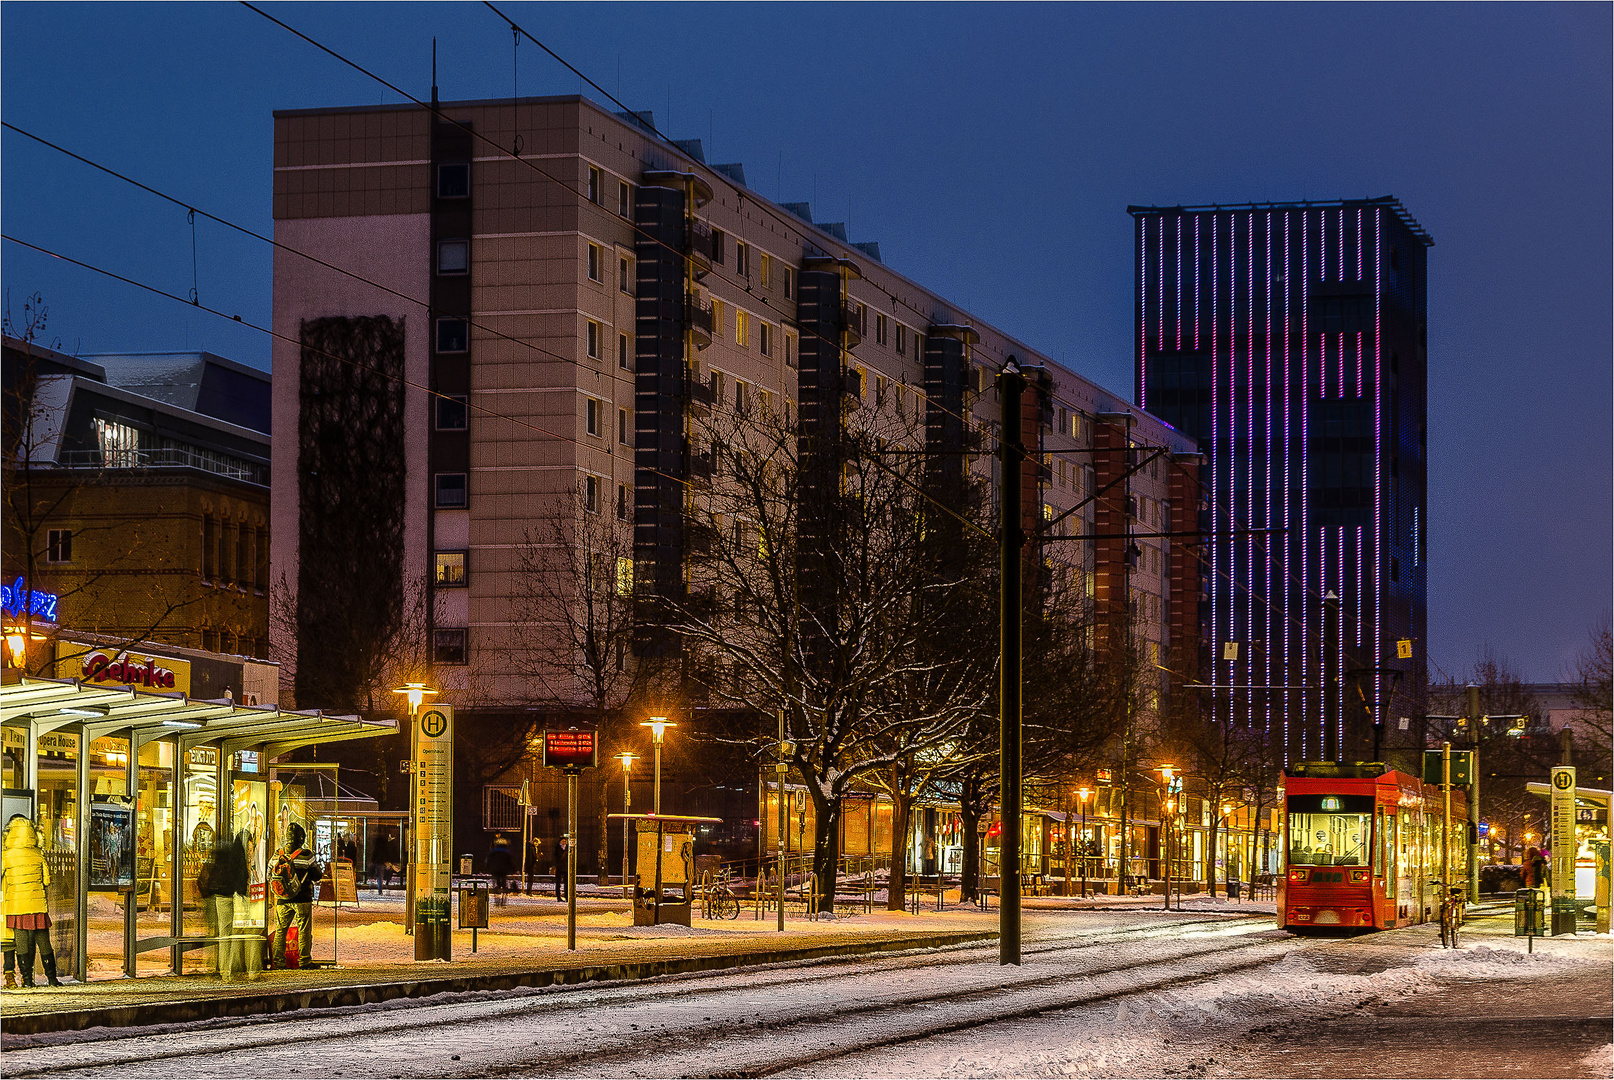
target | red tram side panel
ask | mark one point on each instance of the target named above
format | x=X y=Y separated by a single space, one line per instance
x=1361 y=843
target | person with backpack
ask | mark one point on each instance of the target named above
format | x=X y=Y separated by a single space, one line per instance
x=291 y=882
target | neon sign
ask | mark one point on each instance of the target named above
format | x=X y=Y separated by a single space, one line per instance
x=17 y=599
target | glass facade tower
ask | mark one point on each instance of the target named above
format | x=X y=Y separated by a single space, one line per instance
x=1289 y=340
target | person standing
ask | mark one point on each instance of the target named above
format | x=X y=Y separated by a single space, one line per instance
x=8 y=943
x=535 y=861
x=499 y=865
x=384 y=856
x=23 y=879
x=292 y=883
x=560 y=868
x=225 y=879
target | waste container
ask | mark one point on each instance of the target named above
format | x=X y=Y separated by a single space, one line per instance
x=1564 y=912
x=1233 y=889
x=1527 y=917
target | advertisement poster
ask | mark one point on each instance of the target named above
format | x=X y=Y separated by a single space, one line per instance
x=111 y=844
x=248 y=815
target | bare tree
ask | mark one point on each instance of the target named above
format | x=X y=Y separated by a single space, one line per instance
x=1594 y=723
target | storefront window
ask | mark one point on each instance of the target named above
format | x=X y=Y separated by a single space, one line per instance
x=1330 y=830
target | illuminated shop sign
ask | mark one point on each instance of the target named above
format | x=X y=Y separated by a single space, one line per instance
x=17 y=600
x=109 y=667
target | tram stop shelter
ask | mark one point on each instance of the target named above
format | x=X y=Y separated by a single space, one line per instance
x=665 y=859
x=130 y=789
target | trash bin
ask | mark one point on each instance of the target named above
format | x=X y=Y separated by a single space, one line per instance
x=1233 y=889
x=1564 y=913
x=1527 y=918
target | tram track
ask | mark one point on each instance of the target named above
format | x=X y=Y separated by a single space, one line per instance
x=218 y=1040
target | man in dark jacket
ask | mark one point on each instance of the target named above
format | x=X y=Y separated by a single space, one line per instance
x=384 y=859
x=223 y=878
x=499 y=865
x=291 y=881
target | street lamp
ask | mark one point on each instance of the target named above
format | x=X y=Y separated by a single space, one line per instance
x=1167 y=773
x=415 y=693
x=1081 y=798
x=658 y=726
x=627 y=758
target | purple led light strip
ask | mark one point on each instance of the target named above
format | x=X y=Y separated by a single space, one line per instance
x=1378 y=438
x=1249 y=444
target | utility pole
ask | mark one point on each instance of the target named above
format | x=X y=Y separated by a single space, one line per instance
x=1473 y=792
x=1011 y=454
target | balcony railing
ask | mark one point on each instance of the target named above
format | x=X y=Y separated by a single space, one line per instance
x=172 y=457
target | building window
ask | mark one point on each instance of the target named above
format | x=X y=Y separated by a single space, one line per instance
x=594 y=185
x=742 y=395
x=742 y=328
x=622 y=426
x=453 y=335
x=625 y=274
x=596 y=261
x=790 y=349
x=879 y=330
x=765 y=338
x=591 y=415
x=59 y=546
x=624 y=349
x=717 y=246
x=902 y=340
x=742 y=258
x=593 y=340
x=118 y=442
x=453 y=256
x=454 y=180
x=449 y=646
x=448 y=569
x=261 y=580
x=790 y=282
x=591 y=494
x=717 y=317
x=622 y=501
x=453 y=412
x=451 y=490
x=767 y=271
x=209 y=539
x=624 y=199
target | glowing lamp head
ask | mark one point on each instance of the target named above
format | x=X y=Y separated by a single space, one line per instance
x=416 y=693
x=658 y=726
x=1166 y=771
x=1083 y=793
x=17 y=648
x=627 y=760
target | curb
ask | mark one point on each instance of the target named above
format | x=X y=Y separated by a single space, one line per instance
x=333 y=997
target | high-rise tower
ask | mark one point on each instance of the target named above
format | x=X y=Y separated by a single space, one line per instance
x=1289 y=340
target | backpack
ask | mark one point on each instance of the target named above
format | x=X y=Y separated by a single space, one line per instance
x=285 y=881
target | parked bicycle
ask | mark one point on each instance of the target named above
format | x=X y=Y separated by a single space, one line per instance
x=718 y=899
x=1452 y=900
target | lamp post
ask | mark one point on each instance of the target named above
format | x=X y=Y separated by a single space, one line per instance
x=627 y=758
x=658 y=726
x=415 y=693
x=1082 y=795
x=1167 y=773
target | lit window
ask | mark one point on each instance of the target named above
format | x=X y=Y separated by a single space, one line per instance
x=593 y=184
x=624 y=576
x=453 y=335
x=454 y=181
x=767 y=271
x=118 y=442
x=59 y=546
x=742 y=328
x=453 y=412
x=449 y=646
x=591 y=415
x=596 y=260
x=593 y=340
x=450 y=490
x=453 y=256
x=449 y=569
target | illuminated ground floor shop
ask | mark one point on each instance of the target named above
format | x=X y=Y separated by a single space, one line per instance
x=133 y=791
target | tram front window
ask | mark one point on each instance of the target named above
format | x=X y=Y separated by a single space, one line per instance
x=1330 y=830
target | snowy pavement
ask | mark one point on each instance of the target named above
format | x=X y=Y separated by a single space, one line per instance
x=1190 y=994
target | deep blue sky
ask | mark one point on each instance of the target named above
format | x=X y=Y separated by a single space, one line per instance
x=992 y=151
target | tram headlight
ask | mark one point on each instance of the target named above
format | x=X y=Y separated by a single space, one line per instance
x=1297 y=875
x=1358 y=876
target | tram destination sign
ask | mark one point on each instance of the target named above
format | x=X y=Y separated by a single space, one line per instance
x=571 y=749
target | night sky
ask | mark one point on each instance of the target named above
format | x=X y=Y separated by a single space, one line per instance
x=992 y=151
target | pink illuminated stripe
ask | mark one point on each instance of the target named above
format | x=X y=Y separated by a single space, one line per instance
x=1249 y=445
x=1196 y=281
x=1359 y=586
x=1288 y=538
x=1215 y=457
x=1339 y=719
x=1358 y=243
x=1266 y=509
x=1342 y=245
x=1160 y=269
x=1305 y=449
x=1358 y=363
x=1143 y=312
x=1378 y=437
x=1178 y=253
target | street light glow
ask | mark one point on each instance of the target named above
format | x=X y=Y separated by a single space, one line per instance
x=658 y=726
x=416 y=692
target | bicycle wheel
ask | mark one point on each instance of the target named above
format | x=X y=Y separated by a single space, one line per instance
x=725 y=906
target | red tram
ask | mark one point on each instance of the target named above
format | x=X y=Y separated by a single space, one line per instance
x=1361 y=844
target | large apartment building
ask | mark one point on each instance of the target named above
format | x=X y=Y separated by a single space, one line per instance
x=1289 y=339
x=520 y=306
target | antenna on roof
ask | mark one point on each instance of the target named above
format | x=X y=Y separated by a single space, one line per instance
x=434 y=73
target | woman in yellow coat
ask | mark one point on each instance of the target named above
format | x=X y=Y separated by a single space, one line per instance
x=23 y=878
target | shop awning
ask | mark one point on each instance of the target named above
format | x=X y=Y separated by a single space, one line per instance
x=47 y=705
